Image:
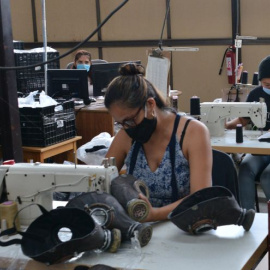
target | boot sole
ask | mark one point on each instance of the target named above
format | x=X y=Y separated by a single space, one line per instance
x=138 y=209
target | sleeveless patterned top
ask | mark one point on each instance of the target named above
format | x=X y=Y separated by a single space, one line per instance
x=159 y=182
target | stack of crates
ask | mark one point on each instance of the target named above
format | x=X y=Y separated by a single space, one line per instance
x=44 y=126
x=32 y=79
x=18 y=44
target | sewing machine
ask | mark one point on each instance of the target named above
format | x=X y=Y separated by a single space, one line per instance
x=214 y=114
x=28 y=183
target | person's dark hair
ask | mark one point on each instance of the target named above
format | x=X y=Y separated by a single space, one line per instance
x=264 y=68
x=80 y=53
x=132 y=89
x=77 y=56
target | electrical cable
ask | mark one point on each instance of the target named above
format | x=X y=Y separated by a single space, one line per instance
x=164 y=22
x=74 y=48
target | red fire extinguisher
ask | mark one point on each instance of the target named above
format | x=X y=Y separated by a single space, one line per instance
x=229 y=56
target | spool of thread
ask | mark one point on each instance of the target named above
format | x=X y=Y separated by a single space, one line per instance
x=112 y=161
x=8 y=211
x=244 y=79
x=174 y=101
x=239 y=133
x=255 y=79
x=195 y=108
x=4 y=227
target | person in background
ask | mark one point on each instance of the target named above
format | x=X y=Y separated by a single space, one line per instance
x=162 y=137
x=254 y=165
x=82 y=60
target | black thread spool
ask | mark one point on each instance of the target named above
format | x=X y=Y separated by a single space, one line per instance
x=175 y=102
x=195 y=108
x=255 y=79
x=244 y=79
x=239 y=133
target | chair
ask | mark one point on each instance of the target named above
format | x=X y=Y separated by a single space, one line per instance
x=98 y=61
x=69 y=65
x=94 y=61
x=268 y=236
x=257 y=205
x=224 y=173
x=257 y=183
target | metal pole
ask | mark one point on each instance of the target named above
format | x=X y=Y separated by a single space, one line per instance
x=44 y=31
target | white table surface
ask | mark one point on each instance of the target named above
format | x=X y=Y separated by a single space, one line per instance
x=228 y=247
x=227 y=143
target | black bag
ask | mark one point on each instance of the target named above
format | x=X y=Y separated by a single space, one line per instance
x=41 y=240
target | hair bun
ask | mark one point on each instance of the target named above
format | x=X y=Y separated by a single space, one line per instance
x=131 y=69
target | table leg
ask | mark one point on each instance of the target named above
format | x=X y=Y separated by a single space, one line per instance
x=72 y=154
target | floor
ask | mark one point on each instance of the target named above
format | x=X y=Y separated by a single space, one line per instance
x=263 y=265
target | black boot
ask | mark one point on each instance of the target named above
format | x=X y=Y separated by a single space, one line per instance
x=209 y=208
x=108 y=212
x=126 y=188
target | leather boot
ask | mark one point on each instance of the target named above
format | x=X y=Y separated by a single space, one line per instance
x=63 y=233
x=209 y=208
x=126 y=188
x=109 y=213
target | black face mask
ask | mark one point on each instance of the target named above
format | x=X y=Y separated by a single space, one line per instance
x=142 y=132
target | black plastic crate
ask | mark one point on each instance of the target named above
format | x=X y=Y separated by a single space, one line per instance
x=48 y=125
x=18 y=44
x=32 y=79
x=31 y=58
x=26 y=86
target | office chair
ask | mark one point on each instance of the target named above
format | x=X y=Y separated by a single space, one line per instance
x=268 y=236
x=257 y=183
x=257 y=205
x=69 y=65
x=224 y=173
x=94 y=61
x=98 y=61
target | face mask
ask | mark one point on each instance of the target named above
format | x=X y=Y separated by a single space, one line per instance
x=266 y=90
x=143 y=132
x=83 y=66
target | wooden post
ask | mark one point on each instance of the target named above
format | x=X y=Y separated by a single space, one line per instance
x=10 y=129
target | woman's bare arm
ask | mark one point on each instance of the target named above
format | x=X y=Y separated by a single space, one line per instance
x=197 y=149
x=119 y=148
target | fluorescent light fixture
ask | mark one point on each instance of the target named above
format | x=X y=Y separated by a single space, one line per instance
x=179 y=49
x=245 y=37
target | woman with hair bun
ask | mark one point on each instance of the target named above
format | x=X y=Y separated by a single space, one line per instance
x=170 y=152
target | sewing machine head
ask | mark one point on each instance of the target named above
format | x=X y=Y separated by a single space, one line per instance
x=214 y=114
x=35 y=183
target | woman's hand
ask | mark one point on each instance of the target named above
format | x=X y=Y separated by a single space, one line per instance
x=158 y=214
x=152 y=211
